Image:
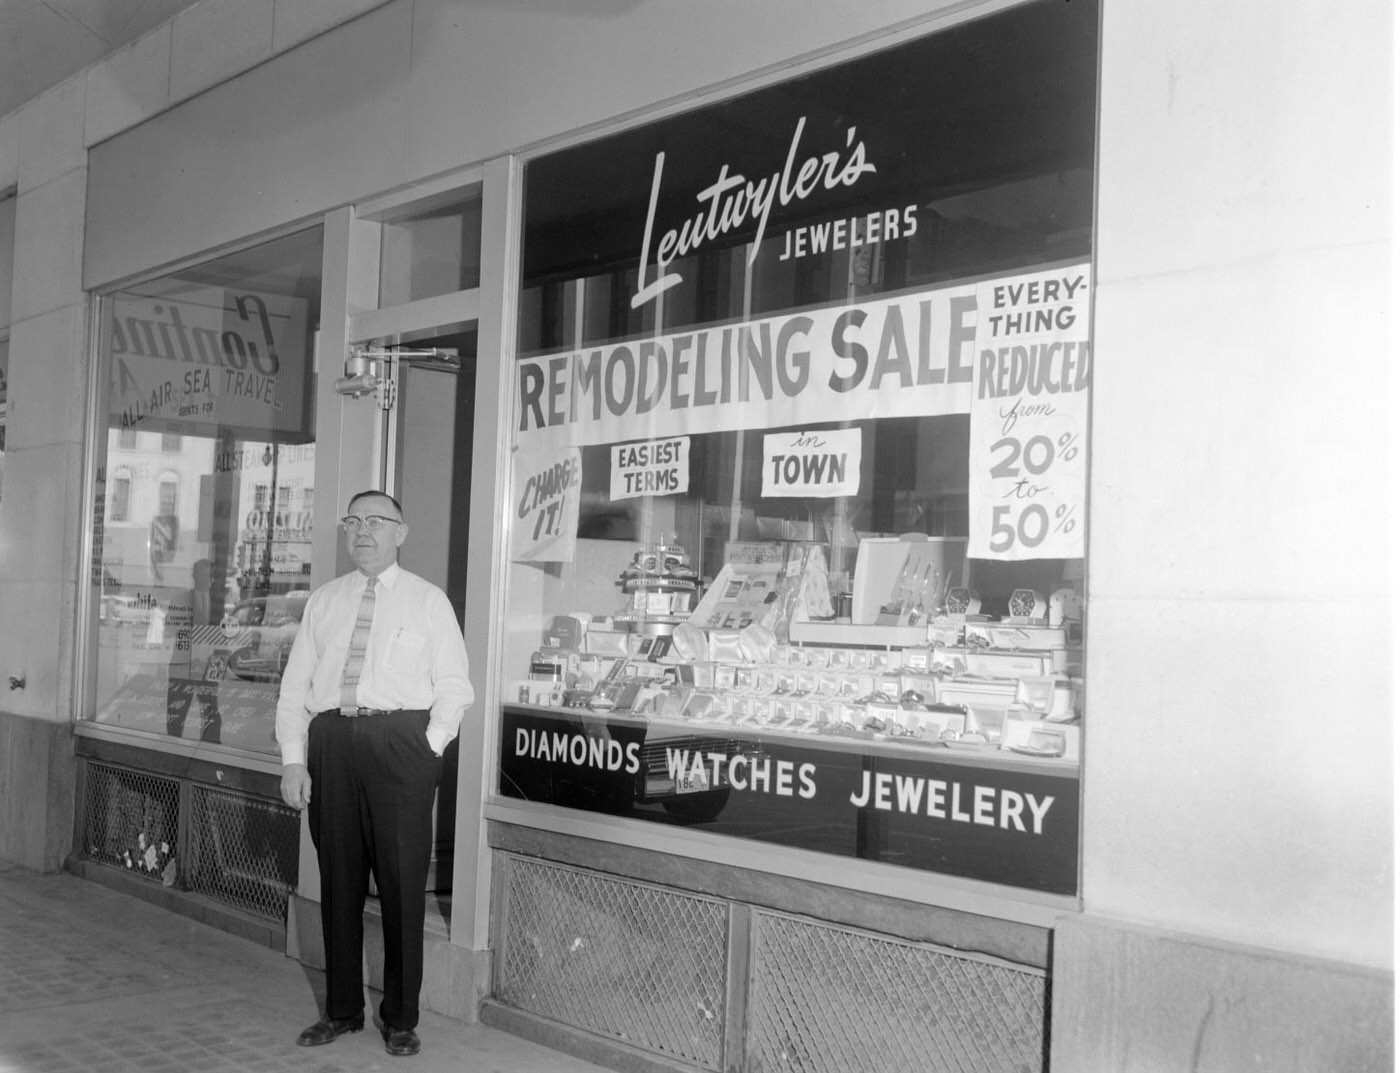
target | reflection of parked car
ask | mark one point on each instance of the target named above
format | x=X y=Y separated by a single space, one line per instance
x=265 y=626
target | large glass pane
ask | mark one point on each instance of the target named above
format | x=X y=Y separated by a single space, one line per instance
x=203 y=528
x=801 y=406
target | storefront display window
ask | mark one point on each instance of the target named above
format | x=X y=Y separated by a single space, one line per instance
x=201 y=559
x=799 y=460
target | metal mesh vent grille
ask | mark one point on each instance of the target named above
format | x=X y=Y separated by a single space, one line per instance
x=132 y=820
x=242 y=851
x=829 y=1000
x=625 y=960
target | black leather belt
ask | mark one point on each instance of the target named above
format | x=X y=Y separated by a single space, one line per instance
x=355 y=713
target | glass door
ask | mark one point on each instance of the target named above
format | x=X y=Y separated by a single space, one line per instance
x=430 y=440
x=413 y=294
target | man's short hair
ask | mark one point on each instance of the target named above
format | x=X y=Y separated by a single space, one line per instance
x=374 y=492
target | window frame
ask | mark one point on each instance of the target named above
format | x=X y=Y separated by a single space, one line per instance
x=99 y=468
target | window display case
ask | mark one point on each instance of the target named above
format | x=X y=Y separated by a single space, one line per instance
x=798 y=462
x=746 y=703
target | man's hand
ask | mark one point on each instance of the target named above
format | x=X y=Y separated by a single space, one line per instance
x=296 y=785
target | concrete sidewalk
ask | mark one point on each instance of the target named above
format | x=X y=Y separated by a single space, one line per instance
x=91 y=979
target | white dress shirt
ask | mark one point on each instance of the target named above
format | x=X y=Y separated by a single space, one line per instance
x=416 y=657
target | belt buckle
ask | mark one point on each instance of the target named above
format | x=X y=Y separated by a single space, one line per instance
x=351 y=713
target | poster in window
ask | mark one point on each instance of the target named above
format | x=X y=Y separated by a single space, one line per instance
x=210 y=358
x=1030 y=414
x=546 y=499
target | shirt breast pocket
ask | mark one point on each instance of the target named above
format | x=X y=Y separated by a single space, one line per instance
x=408 y=652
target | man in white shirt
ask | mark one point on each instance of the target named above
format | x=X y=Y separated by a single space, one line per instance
x=374 y=690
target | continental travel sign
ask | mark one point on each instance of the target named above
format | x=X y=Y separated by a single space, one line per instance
x=207 y=359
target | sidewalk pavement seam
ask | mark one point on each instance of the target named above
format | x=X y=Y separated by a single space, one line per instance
x=96 y=981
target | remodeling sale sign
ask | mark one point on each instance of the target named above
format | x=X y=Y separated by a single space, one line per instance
x=1013 y=352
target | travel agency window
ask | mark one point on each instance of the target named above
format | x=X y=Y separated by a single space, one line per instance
x=799 y=452
x=202 y=502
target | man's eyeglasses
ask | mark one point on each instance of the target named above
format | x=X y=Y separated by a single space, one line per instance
x=373 y=522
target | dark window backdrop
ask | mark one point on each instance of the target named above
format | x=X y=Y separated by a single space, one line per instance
x=988 y=128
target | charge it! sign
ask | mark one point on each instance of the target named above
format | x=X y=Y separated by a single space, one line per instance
x=546 y=498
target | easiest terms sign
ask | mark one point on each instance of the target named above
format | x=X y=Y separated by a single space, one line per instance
x=656 y=468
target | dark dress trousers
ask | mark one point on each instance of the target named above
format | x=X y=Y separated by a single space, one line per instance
x=374 y=778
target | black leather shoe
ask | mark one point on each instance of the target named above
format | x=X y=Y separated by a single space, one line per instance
x=328 y=1028
x=401 y=1042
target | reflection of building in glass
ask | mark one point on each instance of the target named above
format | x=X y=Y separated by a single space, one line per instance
x=165 y=509
x=152 y=508
x=272 y=538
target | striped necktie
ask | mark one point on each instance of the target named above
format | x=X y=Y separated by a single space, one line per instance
x=359 y=641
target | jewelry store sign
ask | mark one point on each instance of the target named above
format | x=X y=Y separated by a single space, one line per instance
x=209 y=358
x=1012 y=824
